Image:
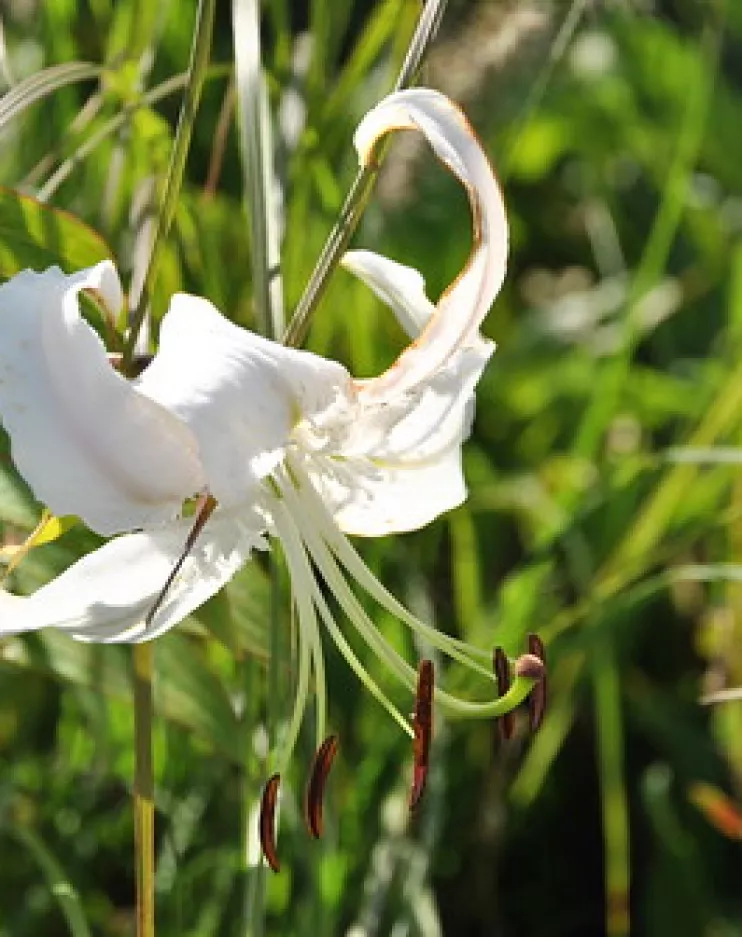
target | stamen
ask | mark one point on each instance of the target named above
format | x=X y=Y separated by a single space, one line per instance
x=313 y=798
x=320 y=684
x=537 y=698
x=422 y=723
x=310 y=525
x=307 y=621
x=301 y=573
x=501 y=666
x=348 y=556
x=267 y=822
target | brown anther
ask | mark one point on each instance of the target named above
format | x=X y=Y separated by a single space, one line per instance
x=537 y=698
x=267 y=822
x=422 y=724
x=314 y=794
x=501 y=666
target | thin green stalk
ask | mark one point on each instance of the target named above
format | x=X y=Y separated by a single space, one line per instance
x=144 y=805
x=256 y=144
x=360 y=190
x=610 y=742
x=200 y=52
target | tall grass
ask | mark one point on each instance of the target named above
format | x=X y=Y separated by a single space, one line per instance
x=604 y=507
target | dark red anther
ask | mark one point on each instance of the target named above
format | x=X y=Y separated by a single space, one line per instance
x=267 y=822
x=315 y=791
x=501 y=666
x=422 y=724
x=537 y=697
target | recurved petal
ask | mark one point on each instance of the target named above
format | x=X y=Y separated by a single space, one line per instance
x=106 y=595
x=241 y=394
x=401 y=288
x=465 y=303
x=85 y=440
x=424 y=422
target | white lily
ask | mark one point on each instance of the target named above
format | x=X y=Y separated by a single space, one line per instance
x=286 y=443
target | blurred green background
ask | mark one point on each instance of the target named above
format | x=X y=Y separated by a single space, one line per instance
x=605 y=507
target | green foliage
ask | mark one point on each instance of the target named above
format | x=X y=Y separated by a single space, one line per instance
x=604 y=506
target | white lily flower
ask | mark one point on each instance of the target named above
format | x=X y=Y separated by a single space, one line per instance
x=286 y=443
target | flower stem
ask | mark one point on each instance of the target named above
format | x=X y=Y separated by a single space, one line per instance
x=144 y=807
x=360 y=190
x=197 y=67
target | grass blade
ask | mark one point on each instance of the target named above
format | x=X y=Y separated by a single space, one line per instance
x=43 y=83
x=261 y=185
x=197 y=68
x=59 y=885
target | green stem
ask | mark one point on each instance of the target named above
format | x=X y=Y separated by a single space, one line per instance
x=360 y=190
x=144 y=806
x=610 y=742
x=196 y=74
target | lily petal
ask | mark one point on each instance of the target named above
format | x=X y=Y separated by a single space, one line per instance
x=438 y=414
x=407 y=469
x=399 y=287
x=465 y=303
x=81 y=435
x=241 y=394
x=106 y=595
x=393 y=498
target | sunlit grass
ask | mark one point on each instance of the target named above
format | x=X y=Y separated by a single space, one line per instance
x=604 y=509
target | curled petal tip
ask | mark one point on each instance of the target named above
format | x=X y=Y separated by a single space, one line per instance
x=465 y=303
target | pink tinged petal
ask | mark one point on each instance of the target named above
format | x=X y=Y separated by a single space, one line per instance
x=434 y=416
x=85 y=440
x=465 y=303
x=441 y=415
x=403 y=290
x=240 y=394
x=106 y=595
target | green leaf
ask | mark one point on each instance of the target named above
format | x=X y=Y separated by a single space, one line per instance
x=189 y=693
x=57 y=880
x=38 y=236
x=239 y=615
x=261 y=184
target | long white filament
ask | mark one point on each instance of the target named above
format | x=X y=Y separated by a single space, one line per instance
x=301 y=506
x=303 y=578
x=345 y=552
